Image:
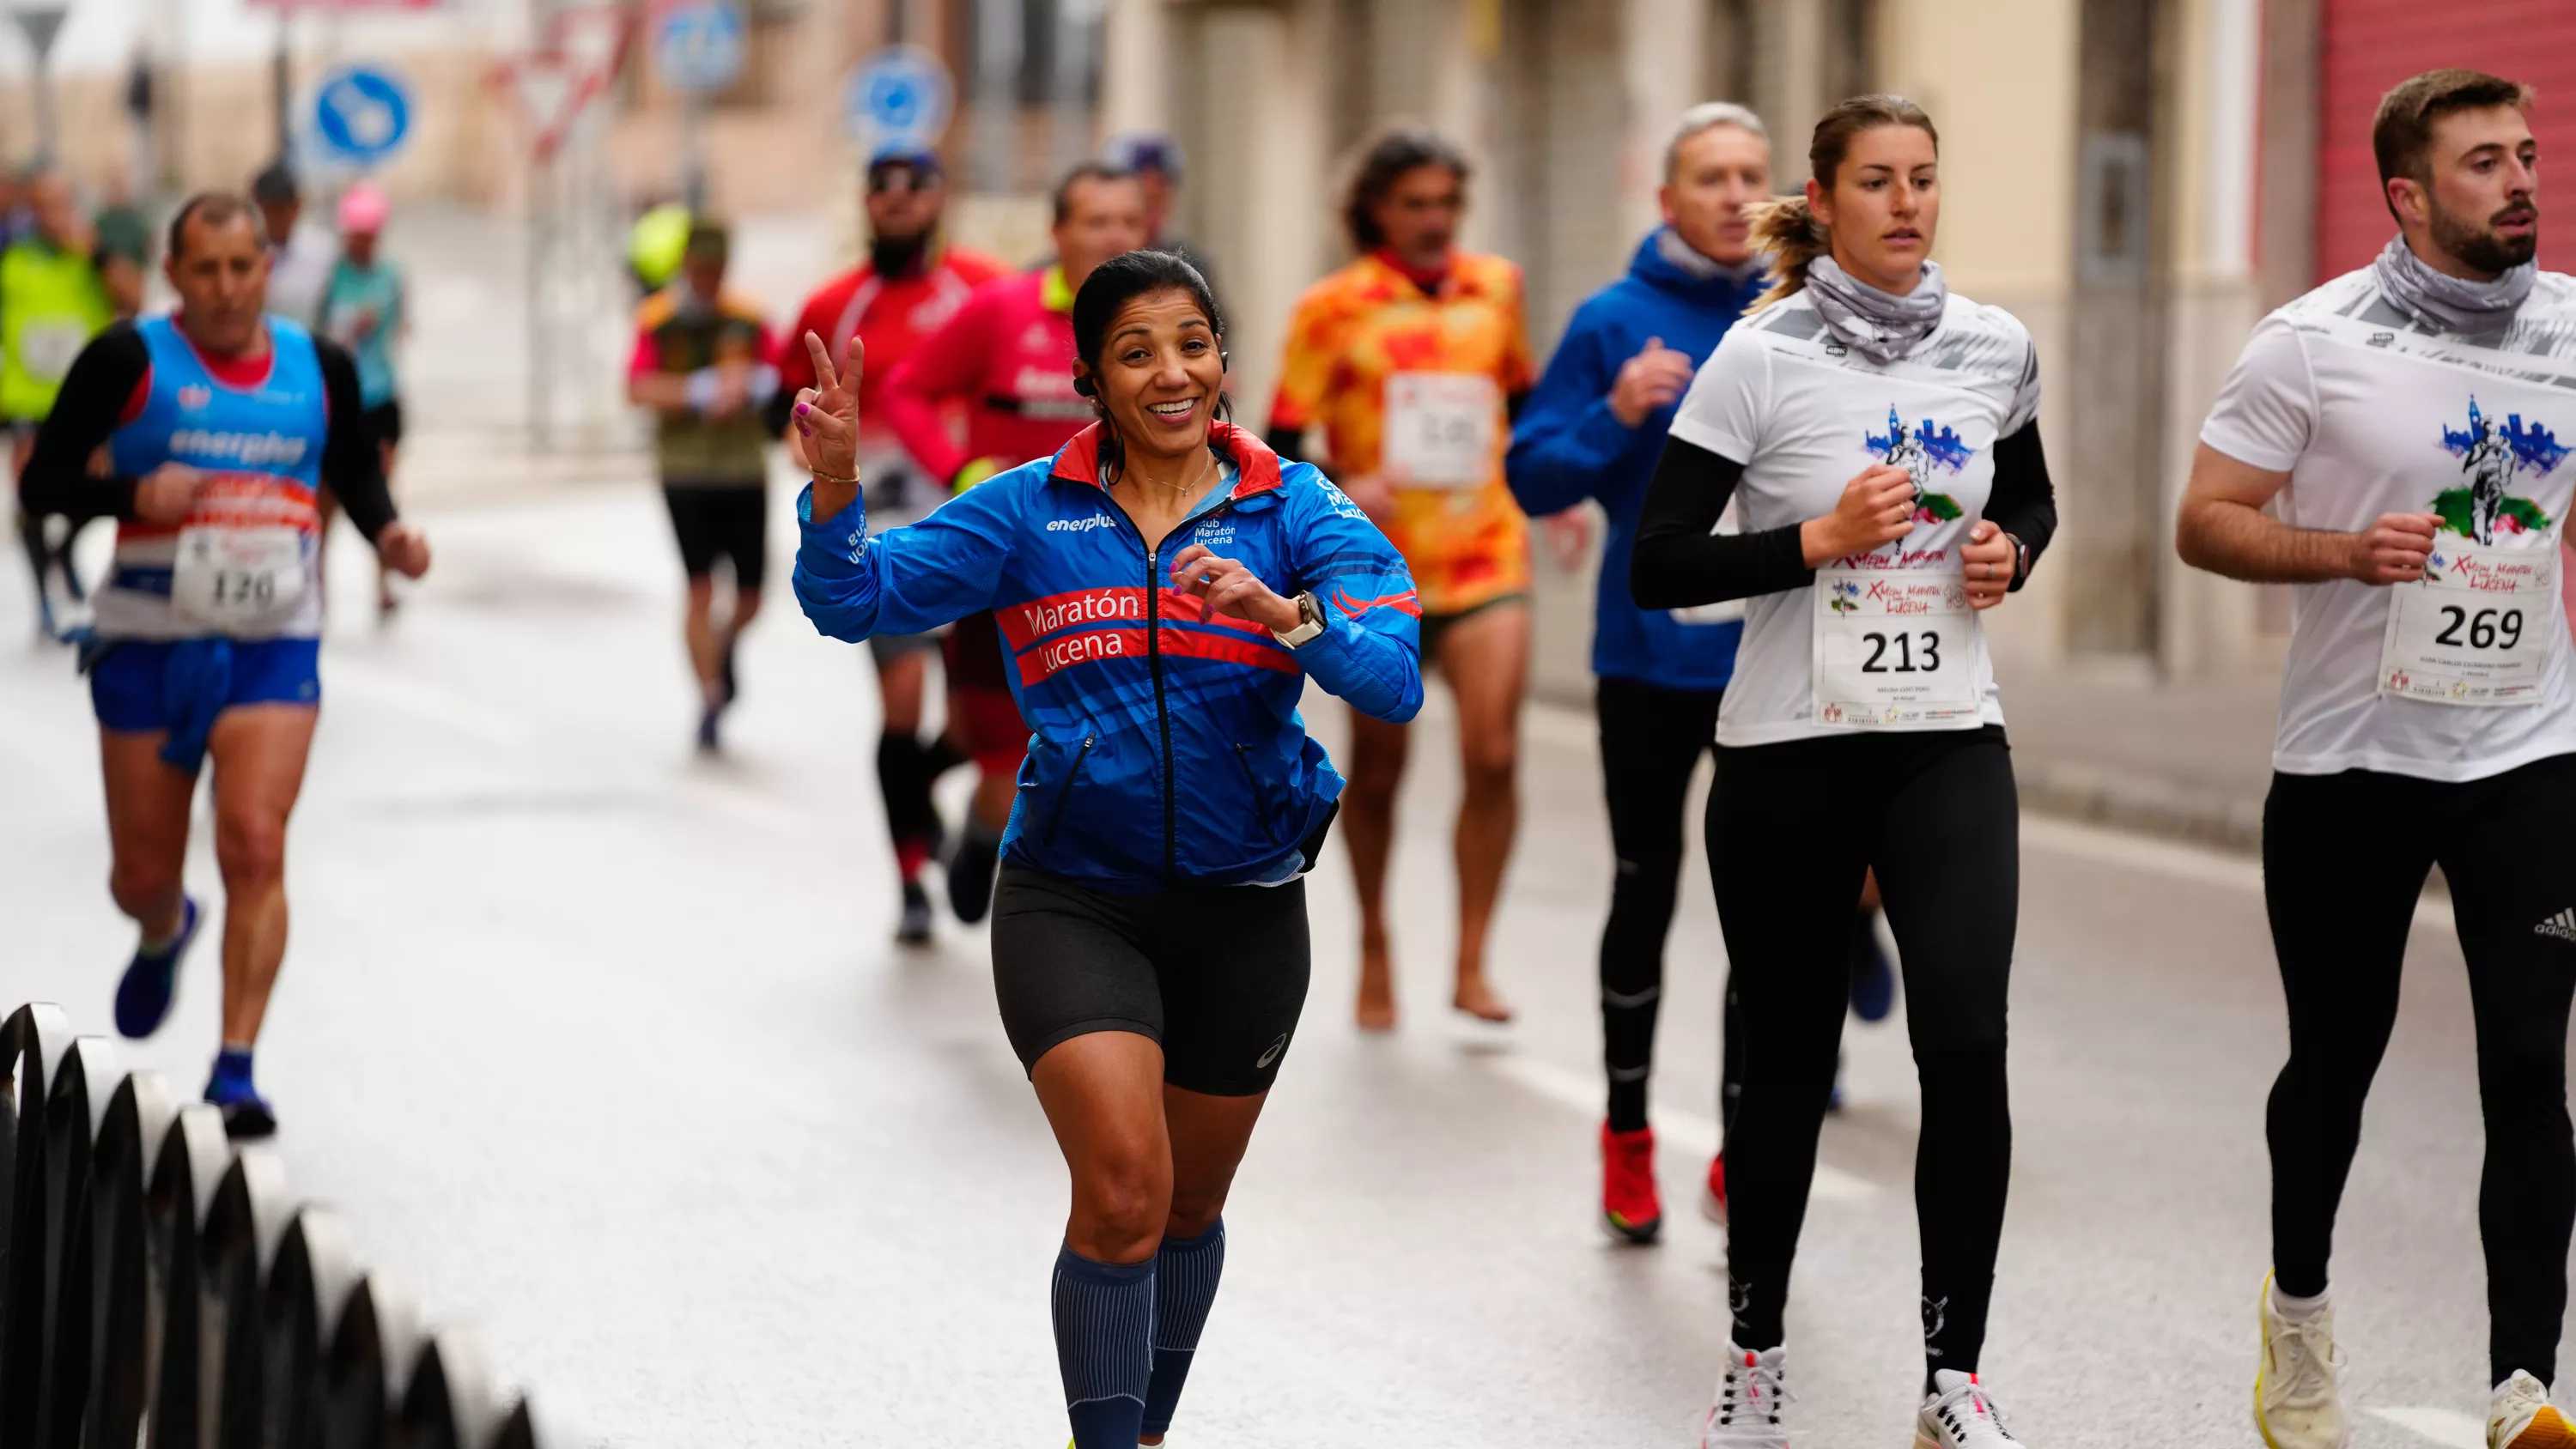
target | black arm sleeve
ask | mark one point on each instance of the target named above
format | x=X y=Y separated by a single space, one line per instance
x=2024 y=502
x=1681 y=562
x=91 y=404
x=351 y=464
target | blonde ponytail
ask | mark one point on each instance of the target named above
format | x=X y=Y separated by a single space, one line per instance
x=1792 y=236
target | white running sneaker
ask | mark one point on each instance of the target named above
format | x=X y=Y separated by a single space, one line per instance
x=2298 y=1395
x=2520 y=1416
x=1750 y=1397
x=1961 y=1415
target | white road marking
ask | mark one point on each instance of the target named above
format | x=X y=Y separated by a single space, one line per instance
x=2442 y=1426
x=2105 y=846
x=1693 y=1133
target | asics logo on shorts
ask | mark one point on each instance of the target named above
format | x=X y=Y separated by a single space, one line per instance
x=1272 y=1055
x=2562 y=925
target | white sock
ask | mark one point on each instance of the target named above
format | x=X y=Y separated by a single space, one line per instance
x=2295 y=1308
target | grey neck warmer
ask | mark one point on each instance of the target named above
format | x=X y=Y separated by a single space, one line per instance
x=2453 y=304
x=1687 y=260
x=1883 y=326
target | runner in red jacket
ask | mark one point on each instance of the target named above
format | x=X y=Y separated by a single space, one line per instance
x=1007 y=358
x=910 y=286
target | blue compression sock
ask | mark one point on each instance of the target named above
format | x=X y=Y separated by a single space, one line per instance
x=1185 y=1277
x=1104 y=1340
x=232 y=1067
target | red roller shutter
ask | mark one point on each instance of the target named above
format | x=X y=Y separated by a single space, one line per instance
x=2370 y=45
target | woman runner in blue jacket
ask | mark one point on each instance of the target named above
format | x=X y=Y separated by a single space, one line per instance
x=1164 y=585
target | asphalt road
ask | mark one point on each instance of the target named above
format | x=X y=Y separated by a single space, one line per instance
x=605 y=1048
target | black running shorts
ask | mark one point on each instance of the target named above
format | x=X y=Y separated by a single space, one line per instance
x=721 y=520
x=1215 y=974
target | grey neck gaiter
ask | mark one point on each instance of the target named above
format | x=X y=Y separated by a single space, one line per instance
x=1883 y=326
x=2453 y=304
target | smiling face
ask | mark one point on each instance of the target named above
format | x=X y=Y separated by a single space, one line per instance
x=1884 y=206
x=2481 y=207
x=1160 y=373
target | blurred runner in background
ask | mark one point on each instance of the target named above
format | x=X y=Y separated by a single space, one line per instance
x=219 y=424
x=299 y=255
x=907 y=289
x=705 y=364
x=362 y=310
x=1155 y=157
x=1007 y=359
x=1592 y=430
x=53 y=300
x=1412 y=360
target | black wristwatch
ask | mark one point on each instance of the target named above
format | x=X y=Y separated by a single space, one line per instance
x=2021 y=561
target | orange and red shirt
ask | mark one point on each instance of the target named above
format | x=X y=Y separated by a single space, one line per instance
x=1370 y=339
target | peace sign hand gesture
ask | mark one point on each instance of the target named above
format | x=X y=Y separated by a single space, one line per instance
x=827 y=426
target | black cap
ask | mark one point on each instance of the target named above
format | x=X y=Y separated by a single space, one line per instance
x=921 y=161
x=275 y=185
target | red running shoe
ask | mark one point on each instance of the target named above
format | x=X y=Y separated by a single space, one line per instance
x=1630 y=1209
x=1712 y=1203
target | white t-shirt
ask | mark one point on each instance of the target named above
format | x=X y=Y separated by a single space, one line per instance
x=1805 y=414
x=2370 y=413
x=299 y=272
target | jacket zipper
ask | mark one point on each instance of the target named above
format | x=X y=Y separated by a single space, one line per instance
x=1154 y=659
x=1063 y=796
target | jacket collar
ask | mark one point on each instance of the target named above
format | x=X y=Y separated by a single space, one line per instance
x=1651 y=267
x=1257 y=467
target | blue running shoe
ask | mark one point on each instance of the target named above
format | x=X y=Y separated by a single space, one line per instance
x=246 y=1113
x=1873 y=980
x=152 y=978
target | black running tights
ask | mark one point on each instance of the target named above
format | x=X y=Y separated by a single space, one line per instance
x=1651 y=740
x=1793 y=829
x=2344 y=861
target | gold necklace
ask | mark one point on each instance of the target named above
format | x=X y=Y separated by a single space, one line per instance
x=1207 y=460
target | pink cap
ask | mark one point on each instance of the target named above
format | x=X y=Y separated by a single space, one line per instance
x=364 y=209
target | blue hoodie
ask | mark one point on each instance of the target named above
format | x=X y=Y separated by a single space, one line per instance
x=1569 y=446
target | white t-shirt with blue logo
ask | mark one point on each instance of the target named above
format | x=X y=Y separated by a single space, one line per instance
x=1805 y=415
x=2371 y=413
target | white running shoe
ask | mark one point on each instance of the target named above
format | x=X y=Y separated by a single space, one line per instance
x=1961 y=1415
x=2520 y=1416
x=2298 y=1392
x=1750 y=1397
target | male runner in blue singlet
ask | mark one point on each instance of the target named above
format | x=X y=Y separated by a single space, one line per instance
x=220 y=422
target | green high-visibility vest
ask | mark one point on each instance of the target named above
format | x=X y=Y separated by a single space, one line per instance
x=51 y=304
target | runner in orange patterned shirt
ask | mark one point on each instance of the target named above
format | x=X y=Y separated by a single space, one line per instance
x=1411 y=361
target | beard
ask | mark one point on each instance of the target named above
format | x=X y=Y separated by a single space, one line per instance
x=2477 y=244
x=898 y=256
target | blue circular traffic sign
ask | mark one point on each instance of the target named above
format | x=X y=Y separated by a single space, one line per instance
x=699 y=46
x=361 y=114
x=900 y=96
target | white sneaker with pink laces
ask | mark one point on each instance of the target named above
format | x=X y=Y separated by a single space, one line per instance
x=1961 y=1415
x=1750 y=1397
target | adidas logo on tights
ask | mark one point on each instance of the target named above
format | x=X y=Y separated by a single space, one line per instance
x=2562 y=925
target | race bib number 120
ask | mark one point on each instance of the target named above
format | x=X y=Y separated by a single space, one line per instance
x=2479 y=630
x=1440 y=428
x=1895 y=649
x=238 y=581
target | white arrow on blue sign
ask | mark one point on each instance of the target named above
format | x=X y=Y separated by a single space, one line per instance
x=699 y=46
x=900 y=96
x=361 y=114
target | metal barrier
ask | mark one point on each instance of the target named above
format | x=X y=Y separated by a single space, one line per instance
x=161 y=1288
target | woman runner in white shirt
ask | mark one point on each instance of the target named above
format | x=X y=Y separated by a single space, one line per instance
x=1879 y=434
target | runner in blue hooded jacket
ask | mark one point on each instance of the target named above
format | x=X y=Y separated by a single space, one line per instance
x=1164 y=586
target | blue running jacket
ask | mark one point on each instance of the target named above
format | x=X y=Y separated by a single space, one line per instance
x=1166 y=748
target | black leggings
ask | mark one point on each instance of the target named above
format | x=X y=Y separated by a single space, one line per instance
x=1651 y=740
x=1793 y=829
x=2344 y=860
